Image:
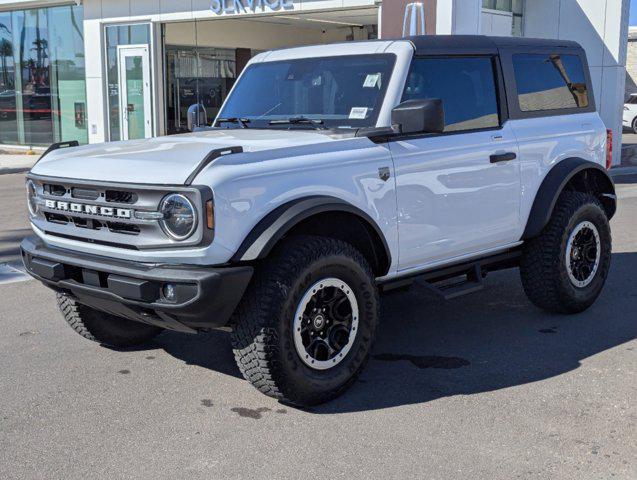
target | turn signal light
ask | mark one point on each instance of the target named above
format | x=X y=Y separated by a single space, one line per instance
x=609 y=149
x=210 y=215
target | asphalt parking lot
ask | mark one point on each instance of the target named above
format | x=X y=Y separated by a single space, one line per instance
x=483 y=387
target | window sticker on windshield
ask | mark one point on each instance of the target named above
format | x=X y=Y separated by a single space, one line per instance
x=371 y=80
x=359 y=113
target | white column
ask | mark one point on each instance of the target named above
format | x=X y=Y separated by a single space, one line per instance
x=95 y=84
x=458 y=17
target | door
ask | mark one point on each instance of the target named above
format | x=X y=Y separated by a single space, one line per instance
x=458 y=193
x=134 y=92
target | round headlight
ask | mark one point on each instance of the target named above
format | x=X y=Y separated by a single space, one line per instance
x=32 y=198
x=180 y=219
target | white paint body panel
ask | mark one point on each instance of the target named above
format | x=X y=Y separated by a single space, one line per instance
x=546 y=141
x=451 y=199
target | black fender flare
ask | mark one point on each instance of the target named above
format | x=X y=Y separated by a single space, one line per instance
x=553 y=185
x=264 y=236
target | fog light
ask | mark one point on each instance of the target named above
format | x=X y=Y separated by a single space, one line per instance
x=170 y=292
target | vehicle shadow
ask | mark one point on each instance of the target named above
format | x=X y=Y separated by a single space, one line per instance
x=427 y=348
x=487 y=341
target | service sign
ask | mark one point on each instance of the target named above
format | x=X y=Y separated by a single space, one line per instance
x=235 y=7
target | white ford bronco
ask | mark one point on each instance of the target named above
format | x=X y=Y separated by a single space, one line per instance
x=331 y=175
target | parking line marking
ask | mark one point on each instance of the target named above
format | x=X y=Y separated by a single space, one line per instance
x=12 y=273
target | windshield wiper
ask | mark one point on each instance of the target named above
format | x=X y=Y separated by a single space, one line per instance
x=298 y=121
x=242 y=122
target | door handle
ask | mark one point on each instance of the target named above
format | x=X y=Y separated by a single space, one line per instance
x=503 y=157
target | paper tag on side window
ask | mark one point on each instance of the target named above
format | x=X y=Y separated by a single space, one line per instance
x=371 y=80
x=359 y=113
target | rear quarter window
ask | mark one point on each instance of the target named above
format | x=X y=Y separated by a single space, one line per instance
x=550 y=82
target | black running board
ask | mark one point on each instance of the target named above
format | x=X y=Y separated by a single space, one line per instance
x=465 y=284
x=456 y=280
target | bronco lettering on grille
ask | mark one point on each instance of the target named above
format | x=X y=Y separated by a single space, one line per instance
x=89 y=209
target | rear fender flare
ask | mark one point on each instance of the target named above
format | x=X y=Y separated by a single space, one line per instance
x=553 y=185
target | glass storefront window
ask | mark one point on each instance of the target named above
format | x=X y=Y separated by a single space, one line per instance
x=68 y=75
x=8 y=94
x=202 y=76
x=42 y=79
x=34 y=76
x=116 y=36
x=516 y=7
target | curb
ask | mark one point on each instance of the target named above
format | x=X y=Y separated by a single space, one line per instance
x=629 y=154
x=10 y=171
x=622 y=171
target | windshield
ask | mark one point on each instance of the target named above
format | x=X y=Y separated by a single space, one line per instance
x=329 y=92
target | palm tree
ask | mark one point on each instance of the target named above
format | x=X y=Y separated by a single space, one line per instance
x=6 y=51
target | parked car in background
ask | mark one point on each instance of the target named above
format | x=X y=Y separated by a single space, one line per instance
x=630 y=113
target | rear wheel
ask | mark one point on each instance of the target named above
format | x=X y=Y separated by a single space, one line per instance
x=103 y=327
x=305 y=327
x=565 y=268
x=634 y=125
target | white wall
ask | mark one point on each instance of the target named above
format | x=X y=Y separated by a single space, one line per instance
x=601 y=27
x=496 y=23
x=459 y=17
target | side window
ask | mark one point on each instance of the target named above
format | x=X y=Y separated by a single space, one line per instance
x=550 y=82
x=465 y=85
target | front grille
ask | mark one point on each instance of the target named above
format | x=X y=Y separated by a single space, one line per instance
x=87 y=223
x=118 y=215
x=123 y=228
x=115 y=196
x=85 y=193
x=55 y=190
x=56 y=218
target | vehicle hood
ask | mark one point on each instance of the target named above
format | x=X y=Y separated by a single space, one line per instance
x=167 y=160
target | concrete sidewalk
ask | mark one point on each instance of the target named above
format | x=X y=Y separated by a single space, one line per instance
x=16 y=163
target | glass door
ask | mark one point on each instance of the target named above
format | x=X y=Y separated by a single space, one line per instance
x=134 y=92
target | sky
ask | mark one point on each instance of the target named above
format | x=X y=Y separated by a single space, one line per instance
x=633 y=12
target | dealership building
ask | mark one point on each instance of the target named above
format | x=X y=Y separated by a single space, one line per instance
x=106 y=70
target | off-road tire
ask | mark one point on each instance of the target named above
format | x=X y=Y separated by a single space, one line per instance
x=262 y=337
x=104 y=328
x=543 y=266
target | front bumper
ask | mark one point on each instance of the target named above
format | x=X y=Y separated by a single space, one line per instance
x=205 y=297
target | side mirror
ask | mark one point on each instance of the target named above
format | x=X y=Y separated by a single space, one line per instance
x=419 y=116
x=196 y=117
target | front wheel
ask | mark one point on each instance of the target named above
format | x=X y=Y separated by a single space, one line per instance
x=305 y=327
x=634 y=125
x=565 y=268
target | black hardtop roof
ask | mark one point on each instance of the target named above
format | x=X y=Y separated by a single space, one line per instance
x=481 y=44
